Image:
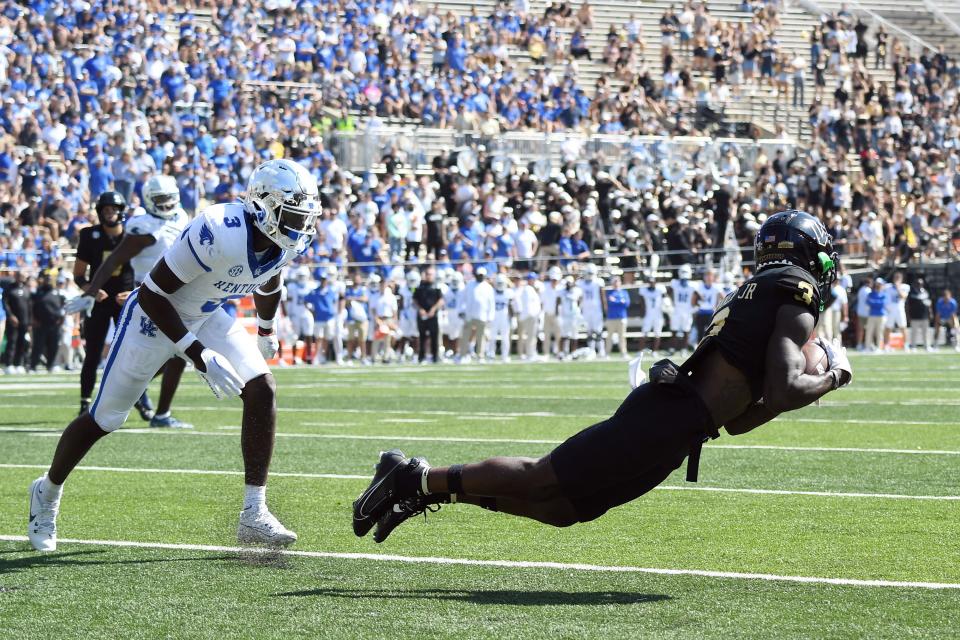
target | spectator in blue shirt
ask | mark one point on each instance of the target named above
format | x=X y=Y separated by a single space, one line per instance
x=617 y=301
x=946 y=317
x=877 y=320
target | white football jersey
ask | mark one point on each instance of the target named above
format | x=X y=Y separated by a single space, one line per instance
x=452 y=299
x=682 y=294
x=570 y=302
x=592 y=291
x=215 y=258
x=164 y=231
x=296 y=297
x=501 y=303
x=405 y=294
x=653 y=299
x=709 y=296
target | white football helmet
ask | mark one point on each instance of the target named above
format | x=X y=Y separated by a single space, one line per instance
x=501 y=282
x=413 y=279
x=456 y=281
x=302 y=274
x=554 y=273
x=284 y=201
x=685 y=272
x=161 y=196
x=590 y=271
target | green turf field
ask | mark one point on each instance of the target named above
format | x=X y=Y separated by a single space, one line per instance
x=861 y=494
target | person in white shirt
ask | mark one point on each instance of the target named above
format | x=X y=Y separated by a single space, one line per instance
x=294 y=304
x=477 y=310
x=528 y=308
x=897 y=292
x=592 y=287
x=416 y=217
x=409 y=334
x=334 y=230
x=681 y=320
x=503 y=297
x=653 y=295
x=384 y=310
x=450 y=320
x=833 y=320
x=863 y=311
x=526 y=243
x=548 y=300
x=706 y=298
x=568 y=314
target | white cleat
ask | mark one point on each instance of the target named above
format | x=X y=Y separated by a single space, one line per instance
x=259 y=526
x=42 y=528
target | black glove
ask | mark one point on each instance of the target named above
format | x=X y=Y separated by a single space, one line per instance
x=664 y=371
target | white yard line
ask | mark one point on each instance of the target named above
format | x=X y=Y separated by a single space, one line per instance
x=338 y=476
x=45 y=432
x=507 y=564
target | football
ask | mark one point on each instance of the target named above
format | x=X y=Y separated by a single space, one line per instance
x=816 y=357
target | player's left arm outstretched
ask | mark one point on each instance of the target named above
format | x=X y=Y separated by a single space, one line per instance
x=786 y=385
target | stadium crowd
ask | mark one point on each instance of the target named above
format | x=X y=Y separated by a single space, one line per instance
x=101 y=96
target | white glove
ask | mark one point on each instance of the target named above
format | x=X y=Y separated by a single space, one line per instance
x=81 y=304
x=837 y=360
x=268 y=345
x=220 y=375
x=635 y=372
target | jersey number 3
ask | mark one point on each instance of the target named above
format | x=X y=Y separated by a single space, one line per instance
x=806 y=292
x=232 y=222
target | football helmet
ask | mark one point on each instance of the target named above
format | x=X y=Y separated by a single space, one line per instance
x=111 y=199
x=501 y=282
x=456 y=281
x=685 y=272
x=590 y=271
x=161 y=196
x=797 y=238
x=284 y=201
x=302 y=274
x=554 y=273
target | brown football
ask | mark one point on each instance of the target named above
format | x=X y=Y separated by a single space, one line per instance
x=816 y=358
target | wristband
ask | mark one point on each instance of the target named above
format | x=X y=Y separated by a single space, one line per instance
x=184 y=342
x=264 y=326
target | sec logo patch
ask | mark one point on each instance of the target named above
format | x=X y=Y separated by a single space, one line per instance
x=235 y=271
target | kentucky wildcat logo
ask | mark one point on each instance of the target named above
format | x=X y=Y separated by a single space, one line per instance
x=206 y=236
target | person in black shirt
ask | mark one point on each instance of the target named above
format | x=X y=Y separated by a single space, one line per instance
x=16 y=300
x=47 y=322
x=918 y=313
x=428 y=300
x=435 y=239
x=748 y=368
x=95 y=243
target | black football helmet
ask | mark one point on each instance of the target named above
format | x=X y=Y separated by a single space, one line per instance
x=798 y=238
x=114 y=199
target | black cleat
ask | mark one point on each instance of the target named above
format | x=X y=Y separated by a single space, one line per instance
x=397 y=478
x=84 y=406
x=403 y=511
x=145 y=408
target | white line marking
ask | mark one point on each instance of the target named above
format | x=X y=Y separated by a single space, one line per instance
x=408 y=420
x=339 y=476
x=507 y=564
x=349 y=436
x=195 y=472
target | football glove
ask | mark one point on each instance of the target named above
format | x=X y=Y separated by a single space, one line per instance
x=635 y=372
x=220 y=375
x=837 y=360
x=268 y=344
x=664 y=371
x=80 y=304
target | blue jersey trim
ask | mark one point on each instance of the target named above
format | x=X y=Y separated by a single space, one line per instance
x=194 y=252
x=125 y=314
x=257 y=267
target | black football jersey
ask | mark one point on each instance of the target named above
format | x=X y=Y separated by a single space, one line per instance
x=743 y=323
x=93 y=246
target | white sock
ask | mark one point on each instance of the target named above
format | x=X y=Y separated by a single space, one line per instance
x=162 y=415
x=50 y=492
x=254 y=496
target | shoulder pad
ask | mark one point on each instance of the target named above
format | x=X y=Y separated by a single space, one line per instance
x=797 y=287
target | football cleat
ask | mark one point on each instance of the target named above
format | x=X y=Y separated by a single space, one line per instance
x=168 y=422
x=259 y=526
x=403 y=511
x=396 y=478
x=42 y=527
x=144 y=407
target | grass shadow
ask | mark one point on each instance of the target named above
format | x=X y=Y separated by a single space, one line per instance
x=493 y=597
x=79 y=558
